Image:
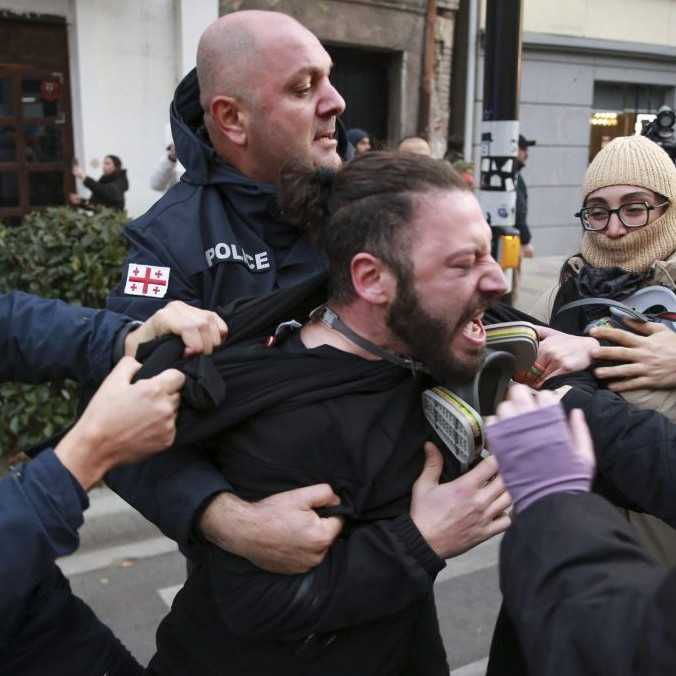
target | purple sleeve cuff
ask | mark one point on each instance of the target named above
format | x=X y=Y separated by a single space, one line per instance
x=537 y=457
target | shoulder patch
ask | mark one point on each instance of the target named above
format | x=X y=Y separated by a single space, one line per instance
x=147 y=280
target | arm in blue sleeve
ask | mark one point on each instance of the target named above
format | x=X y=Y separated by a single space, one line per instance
x=171 y=490
x=41 y=508
x=43 y=339
x=145 y=249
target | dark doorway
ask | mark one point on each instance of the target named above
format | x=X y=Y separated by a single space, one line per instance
x=36 y=138
x=362 y=77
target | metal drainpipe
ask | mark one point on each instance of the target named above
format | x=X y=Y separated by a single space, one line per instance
x=470 y=92
x=427 y=82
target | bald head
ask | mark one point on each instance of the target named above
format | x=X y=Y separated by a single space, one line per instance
x=232 y=48
x=415 y=144
x=266 y=93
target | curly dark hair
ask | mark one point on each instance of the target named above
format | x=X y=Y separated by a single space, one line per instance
x=367 y=205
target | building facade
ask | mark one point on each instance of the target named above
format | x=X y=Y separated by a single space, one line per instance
x=378 y=51
x=591 y=70
x=84 y=78
x=80 y=79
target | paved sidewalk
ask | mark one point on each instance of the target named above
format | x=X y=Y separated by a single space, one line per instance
x=538 y=275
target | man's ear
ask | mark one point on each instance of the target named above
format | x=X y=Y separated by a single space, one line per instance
x=228 y=117
x=372 y=279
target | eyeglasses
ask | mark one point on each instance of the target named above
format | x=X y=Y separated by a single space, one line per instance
x=631 y=215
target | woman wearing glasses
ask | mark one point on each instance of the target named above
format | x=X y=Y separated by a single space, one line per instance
x=628 y=217
x=629 y=229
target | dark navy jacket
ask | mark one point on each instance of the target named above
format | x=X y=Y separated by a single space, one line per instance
x=44 y=628
x=44 y=339
x=222 y=237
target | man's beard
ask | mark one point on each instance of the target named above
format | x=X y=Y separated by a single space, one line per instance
x=430 y=339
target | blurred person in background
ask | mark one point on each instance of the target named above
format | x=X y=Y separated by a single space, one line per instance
x=108 y=191
x=360 y=140
x=466 y=170
x=454 y=149
x=527 y=250
x=415 y=144
x=168 y=170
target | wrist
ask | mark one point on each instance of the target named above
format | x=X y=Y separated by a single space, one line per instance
x=417 y=545
x=80 y=453
x=428 y=531
x=225 y=519
x=135 y=333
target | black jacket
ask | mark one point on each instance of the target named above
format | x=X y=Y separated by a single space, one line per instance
x=636 y=469
x=109 y=190
x=635 y=452
x=371 y=594
x=288 y=417
x=584 y=596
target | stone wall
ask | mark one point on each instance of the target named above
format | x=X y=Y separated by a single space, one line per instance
x=397 y=26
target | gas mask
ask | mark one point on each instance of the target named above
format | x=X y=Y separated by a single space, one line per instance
x=457 y=412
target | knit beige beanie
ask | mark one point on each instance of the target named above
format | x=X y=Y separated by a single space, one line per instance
x=633 y=160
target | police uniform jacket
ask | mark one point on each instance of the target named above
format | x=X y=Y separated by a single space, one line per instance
x=213 y=237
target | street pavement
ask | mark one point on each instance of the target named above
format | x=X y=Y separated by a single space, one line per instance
x=129 y=573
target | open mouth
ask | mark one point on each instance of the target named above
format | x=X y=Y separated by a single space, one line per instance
x=474 y=330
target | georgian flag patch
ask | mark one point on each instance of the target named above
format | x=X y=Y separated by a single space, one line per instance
x=147 y=280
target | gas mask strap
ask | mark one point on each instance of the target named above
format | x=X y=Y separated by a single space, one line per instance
x=329 y=318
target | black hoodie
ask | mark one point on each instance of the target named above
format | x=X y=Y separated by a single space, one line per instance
x=279 y=416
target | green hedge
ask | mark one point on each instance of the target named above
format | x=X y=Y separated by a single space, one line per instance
x=55 y=253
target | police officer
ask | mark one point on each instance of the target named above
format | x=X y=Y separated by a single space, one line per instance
x=260 y=95
x=41 y=504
